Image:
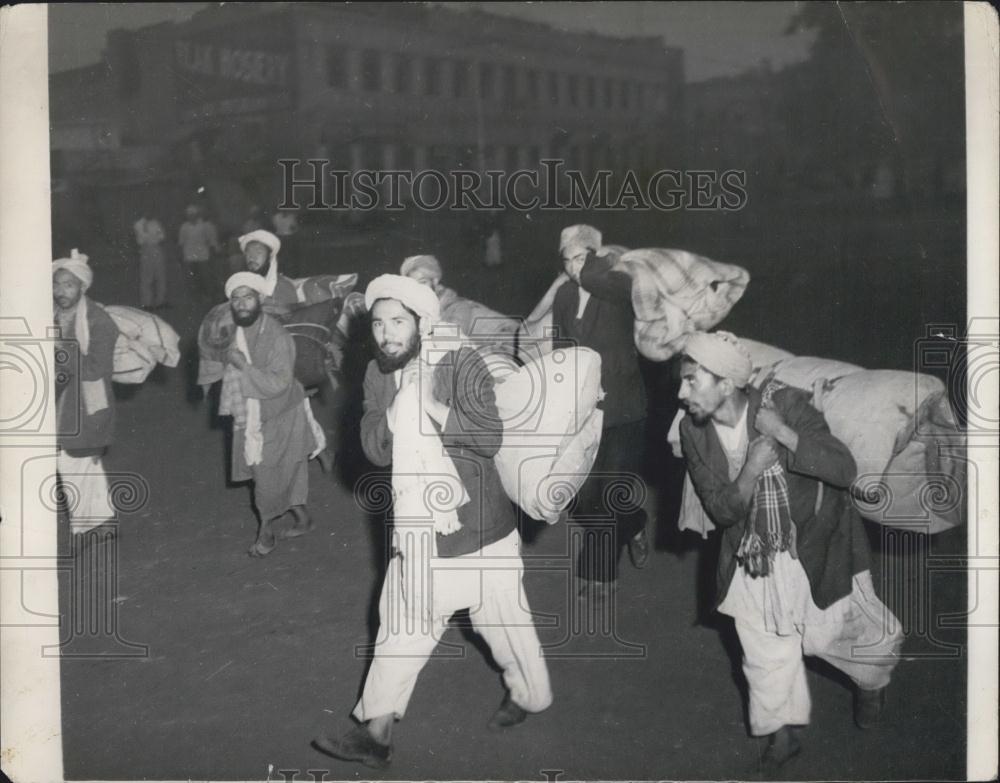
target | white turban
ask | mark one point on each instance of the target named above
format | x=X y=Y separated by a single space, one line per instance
x=430 y=263
x=247 y=279
x=273 y=244
x=721 y=353
x=580 y=236
x=77 y=266
x=418 y=297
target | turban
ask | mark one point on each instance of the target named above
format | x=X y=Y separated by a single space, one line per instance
x=418 y=297
x=248 y=279
x=721 y=353
x=77 y=266
x=580 y=236
x=274 y=245
x=413 y=263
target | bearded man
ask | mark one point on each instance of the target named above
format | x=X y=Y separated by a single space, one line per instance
x=85 y=402
x=430 y=412
x=273 y=432
x=794 y=563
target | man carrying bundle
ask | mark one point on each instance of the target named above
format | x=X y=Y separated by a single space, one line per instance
x=593 y=309
x=85 y=402
x=273 y=431
x=430 y=411
x=794 y=563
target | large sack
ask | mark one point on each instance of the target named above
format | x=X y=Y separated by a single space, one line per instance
x=312 y=326
x=320 y=288
x=144 y=340
x=485 y=326
x=552 y=427
x=898 y=426
x=675 y=292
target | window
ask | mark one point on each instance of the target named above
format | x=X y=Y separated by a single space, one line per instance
x=371 y=71
x=574 y=90
x=509 y=85
x=432 y=76
x=554 y=87
x=403 y=75
x=609 y=94
x=336 y=66
x=533 y=86
x=626 y=94
x=485 y=81
x=460 y=84
x=591 y=92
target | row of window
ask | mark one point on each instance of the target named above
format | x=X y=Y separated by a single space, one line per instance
x=427 y=75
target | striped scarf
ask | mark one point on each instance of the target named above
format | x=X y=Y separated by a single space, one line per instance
x=769 y=529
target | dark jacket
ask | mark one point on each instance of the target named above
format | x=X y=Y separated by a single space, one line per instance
x=607 y=327
x=831 y=545
x=471 y=435
x=81 y=433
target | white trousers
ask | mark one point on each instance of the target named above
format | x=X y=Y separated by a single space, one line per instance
x=487 y=583
x=857 y=634
x=85 y=487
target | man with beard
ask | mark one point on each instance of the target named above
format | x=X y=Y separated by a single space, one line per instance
x=593 y=309
x=430 y=411
x=273 y=434
x=85 y=402
x=260 y=249
x=794 y=563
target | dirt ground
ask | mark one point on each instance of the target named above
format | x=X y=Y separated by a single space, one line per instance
x=207 y=664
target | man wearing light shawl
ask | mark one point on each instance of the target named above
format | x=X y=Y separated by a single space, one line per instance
x=85 y=402
x=430 y=412
x=592 y=308
x=273 y=430
x=794 y=563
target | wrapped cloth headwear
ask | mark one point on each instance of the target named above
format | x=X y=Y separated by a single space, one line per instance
x=418 y=297
x=248 y=280
x=273 y=244
x=77 y=266
x=721 y=353
x=429 y=263
x=580 y=236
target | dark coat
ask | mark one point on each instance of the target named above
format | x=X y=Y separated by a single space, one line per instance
x=81 y=433
x=471 y=435
x=607 y=327
x=831 y=544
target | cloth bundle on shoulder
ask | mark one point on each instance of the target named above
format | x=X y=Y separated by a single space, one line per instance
x=898 y=426
x=320 y=288
x=552 y=427
x=486 y=326
x=144 y=341
x=674 y=292
x=312 y=326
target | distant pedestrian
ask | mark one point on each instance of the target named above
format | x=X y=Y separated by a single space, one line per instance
x=286 y=227
x=198 y=241
x=149 y=237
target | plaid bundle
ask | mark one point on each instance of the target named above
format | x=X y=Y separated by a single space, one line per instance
x=770 y=527
x=231 y=400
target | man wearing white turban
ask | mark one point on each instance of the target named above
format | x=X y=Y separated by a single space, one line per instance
x=794 y=563
x=430 y=412
x=260 y=251
x=592 y=308
x=273 y=432
x=85 y=402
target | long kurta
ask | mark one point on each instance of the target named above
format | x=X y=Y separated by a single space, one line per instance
x=281 y=478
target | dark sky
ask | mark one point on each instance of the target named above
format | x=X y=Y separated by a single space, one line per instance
x=718 y=38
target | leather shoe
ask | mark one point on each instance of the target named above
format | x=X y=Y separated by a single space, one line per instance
x=868 y=706
x=638 y=549
x=356 y=745
x=507 y=715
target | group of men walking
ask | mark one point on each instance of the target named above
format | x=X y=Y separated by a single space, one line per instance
x=793 y=570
